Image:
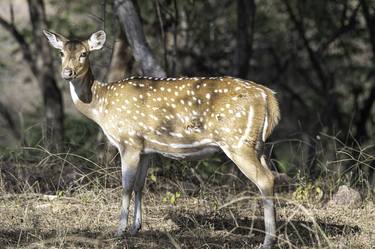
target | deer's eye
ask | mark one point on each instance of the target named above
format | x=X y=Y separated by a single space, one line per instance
x=83 y=55
x=61 y=54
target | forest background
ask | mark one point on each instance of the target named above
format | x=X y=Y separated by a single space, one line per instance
x=318 y=56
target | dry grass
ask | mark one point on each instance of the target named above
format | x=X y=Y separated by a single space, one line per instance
x=211 y=212
x=88 y=218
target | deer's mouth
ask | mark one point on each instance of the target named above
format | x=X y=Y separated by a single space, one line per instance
x=68 y=78
x=68 y=74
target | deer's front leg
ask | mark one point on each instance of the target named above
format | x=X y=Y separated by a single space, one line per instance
x=129 y=166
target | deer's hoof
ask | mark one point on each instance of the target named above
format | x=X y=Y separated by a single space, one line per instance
x=120 y=232
x=135 y=230
x=269 y=244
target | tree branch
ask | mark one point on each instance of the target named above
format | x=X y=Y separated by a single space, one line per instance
x=122 y=60
x=313 y=58
x=25 y=47
x=244 y=36
x=163 y=37
x=345 y=28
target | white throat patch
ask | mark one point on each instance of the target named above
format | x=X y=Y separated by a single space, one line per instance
x=73 y=93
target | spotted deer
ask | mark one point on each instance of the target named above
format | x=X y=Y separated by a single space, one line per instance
x=176 y=117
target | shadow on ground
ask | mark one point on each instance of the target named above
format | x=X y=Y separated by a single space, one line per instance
x=297 y=232
x=47 y=239
x=194 y=231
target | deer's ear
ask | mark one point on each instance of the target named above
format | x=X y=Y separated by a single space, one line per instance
x=97 y=40
x=56 y=40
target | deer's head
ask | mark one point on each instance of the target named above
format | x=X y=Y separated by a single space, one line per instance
x=74 y=54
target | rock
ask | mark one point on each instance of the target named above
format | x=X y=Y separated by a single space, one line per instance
x=346 y=196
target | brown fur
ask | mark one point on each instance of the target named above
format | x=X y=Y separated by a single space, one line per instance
x=177 y=117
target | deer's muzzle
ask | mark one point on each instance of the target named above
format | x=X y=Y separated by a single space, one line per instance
x=68 y=74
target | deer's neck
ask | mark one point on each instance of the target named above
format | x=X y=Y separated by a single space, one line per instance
x=82 y=88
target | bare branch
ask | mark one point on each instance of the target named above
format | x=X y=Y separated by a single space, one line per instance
x=345 y=28
x=122 y=60
x=11 y=10
x=25 y=47
x=163 y=37
x=244 y=37
x=312 y=55
x=281 y=67
x=175 y=24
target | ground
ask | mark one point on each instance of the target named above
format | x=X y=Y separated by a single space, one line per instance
x=213 y=217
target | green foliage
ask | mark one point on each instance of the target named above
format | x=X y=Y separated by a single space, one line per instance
x=171 y=198
x=60 y=194
x=309 y=192
x=152 y=177
x=283 y=166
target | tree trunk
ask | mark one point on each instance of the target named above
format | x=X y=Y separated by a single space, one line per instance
x=365 y=112
x=131 y=25
x=122 y=60
x=52 y=99
x=10 y=122
x=244 y=37
x=39 y=60
x=53 y=112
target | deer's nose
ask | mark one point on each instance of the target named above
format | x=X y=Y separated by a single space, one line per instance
x=68 y=73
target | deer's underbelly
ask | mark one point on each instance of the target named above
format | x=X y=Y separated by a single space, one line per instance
x=192 y=153
x=172 y=147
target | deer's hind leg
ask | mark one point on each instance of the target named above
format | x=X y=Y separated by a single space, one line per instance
x=257 y=171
